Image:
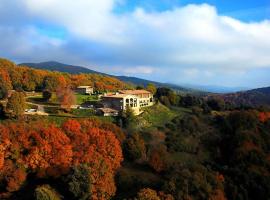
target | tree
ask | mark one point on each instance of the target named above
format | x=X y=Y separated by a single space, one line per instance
x=46 y=94
x=92 y=153
x=158 y=158
x=216 y=103
x=148 y=194
x=151 y=88
x=3 y=89
x=79 y=182
x=134 y=147
x=16 y=103
x=66 y=98
x=129 y=118
x=46 y=192
x=100 y=150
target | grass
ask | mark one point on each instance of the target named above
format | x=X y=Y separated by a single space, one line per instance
x=83 y=112
x=59 y=119
x=39 y=100
x=81 y=98
x=156 y=116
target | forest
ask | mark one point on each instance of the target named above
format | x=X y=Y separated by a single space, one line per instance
x=185 y=147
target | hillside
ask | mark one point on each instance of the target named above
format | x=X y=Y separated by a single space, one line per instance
x=56 y=66
x=255 y=97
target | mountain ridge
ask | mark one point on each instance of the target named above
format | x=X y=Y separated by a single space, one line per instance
x=73 y=69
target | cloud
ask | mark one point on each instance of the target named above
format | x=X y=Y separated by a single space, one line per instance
x=190 y=42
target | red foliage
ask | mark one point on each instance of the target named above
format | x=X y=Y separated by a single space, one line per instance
x=50 y=151
x=264 y=116
x=66 y=97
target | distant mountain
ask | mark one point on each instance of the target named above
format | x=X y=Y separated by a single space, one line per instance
x=56 y=66
x=255 y=97
x=216 y=88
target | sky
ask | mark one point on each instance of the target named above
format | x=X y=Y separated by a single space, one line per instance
x=199 y=42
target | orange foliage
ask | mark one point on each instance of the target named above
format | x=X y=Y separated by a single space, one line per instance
x=15 y=181
x=149 y=194
x=158 y=157
x=4 y=76
x=66 y=97
x=30 y=79
x=218 y=195
x=51 y=151
x=264 y=116
x=101 y=150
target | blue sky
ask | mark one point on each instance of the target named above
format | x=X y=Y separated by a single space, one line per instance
x=246 y=10
x=197 y=42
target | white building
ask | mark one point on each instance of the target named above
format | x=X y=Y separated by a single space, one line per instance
x=85 y=90
x=135 y=99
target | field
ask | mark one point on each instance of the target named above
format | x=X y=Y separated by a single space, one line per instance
x=81 y=98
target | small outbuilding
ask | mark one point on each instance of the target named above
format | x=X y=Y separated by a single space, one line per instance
x=85 y=90
x=107 y=112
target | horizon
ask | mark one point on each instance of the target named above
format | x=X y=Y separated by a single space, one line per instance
x=206 y=43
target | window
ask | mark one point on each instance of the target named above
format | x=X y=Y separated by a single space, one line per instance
x=127 y=100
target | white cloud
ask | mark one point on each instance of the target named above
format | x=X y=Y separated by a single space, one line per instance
x=194 y=39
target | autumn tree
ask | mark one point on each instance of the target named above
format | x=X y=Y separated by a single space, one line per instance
x=66 y=98
x=16 y=103
x=100 y=150
x=148 y=194
x=134 y=147
x=158 y=158
x=3 y=89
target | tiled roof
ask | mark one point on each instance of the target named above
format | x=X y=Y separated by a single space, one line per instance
x=134 y=92
x=117 y=96
x=108 y=110
x=84 y=86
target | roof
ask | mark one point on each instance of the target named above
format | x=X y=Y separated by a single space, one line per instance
x=107 y=110
x=84 y=86
x=120 y=96
x=134 y=92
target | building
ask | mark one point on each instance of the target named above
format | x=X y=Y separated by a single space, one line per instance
x=107 y=112
x=135 y=99
x=85 y=90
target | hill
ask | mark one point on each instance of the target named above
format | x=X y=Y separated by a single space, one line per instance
x=56 y=66
x=255 y=97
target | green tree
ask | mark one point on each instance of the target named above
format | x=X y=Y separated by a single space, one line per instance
x=151 y=88
x=79 y=183
x=128 y=118
x=16 y=104
x=46 y=192
x=216 y=103
x=46 y=94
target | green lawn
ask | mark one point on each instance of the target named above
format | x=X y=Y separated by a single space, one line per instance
x=156 y=116
x=81 y=98
x=57 y=119
x=83 y=112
